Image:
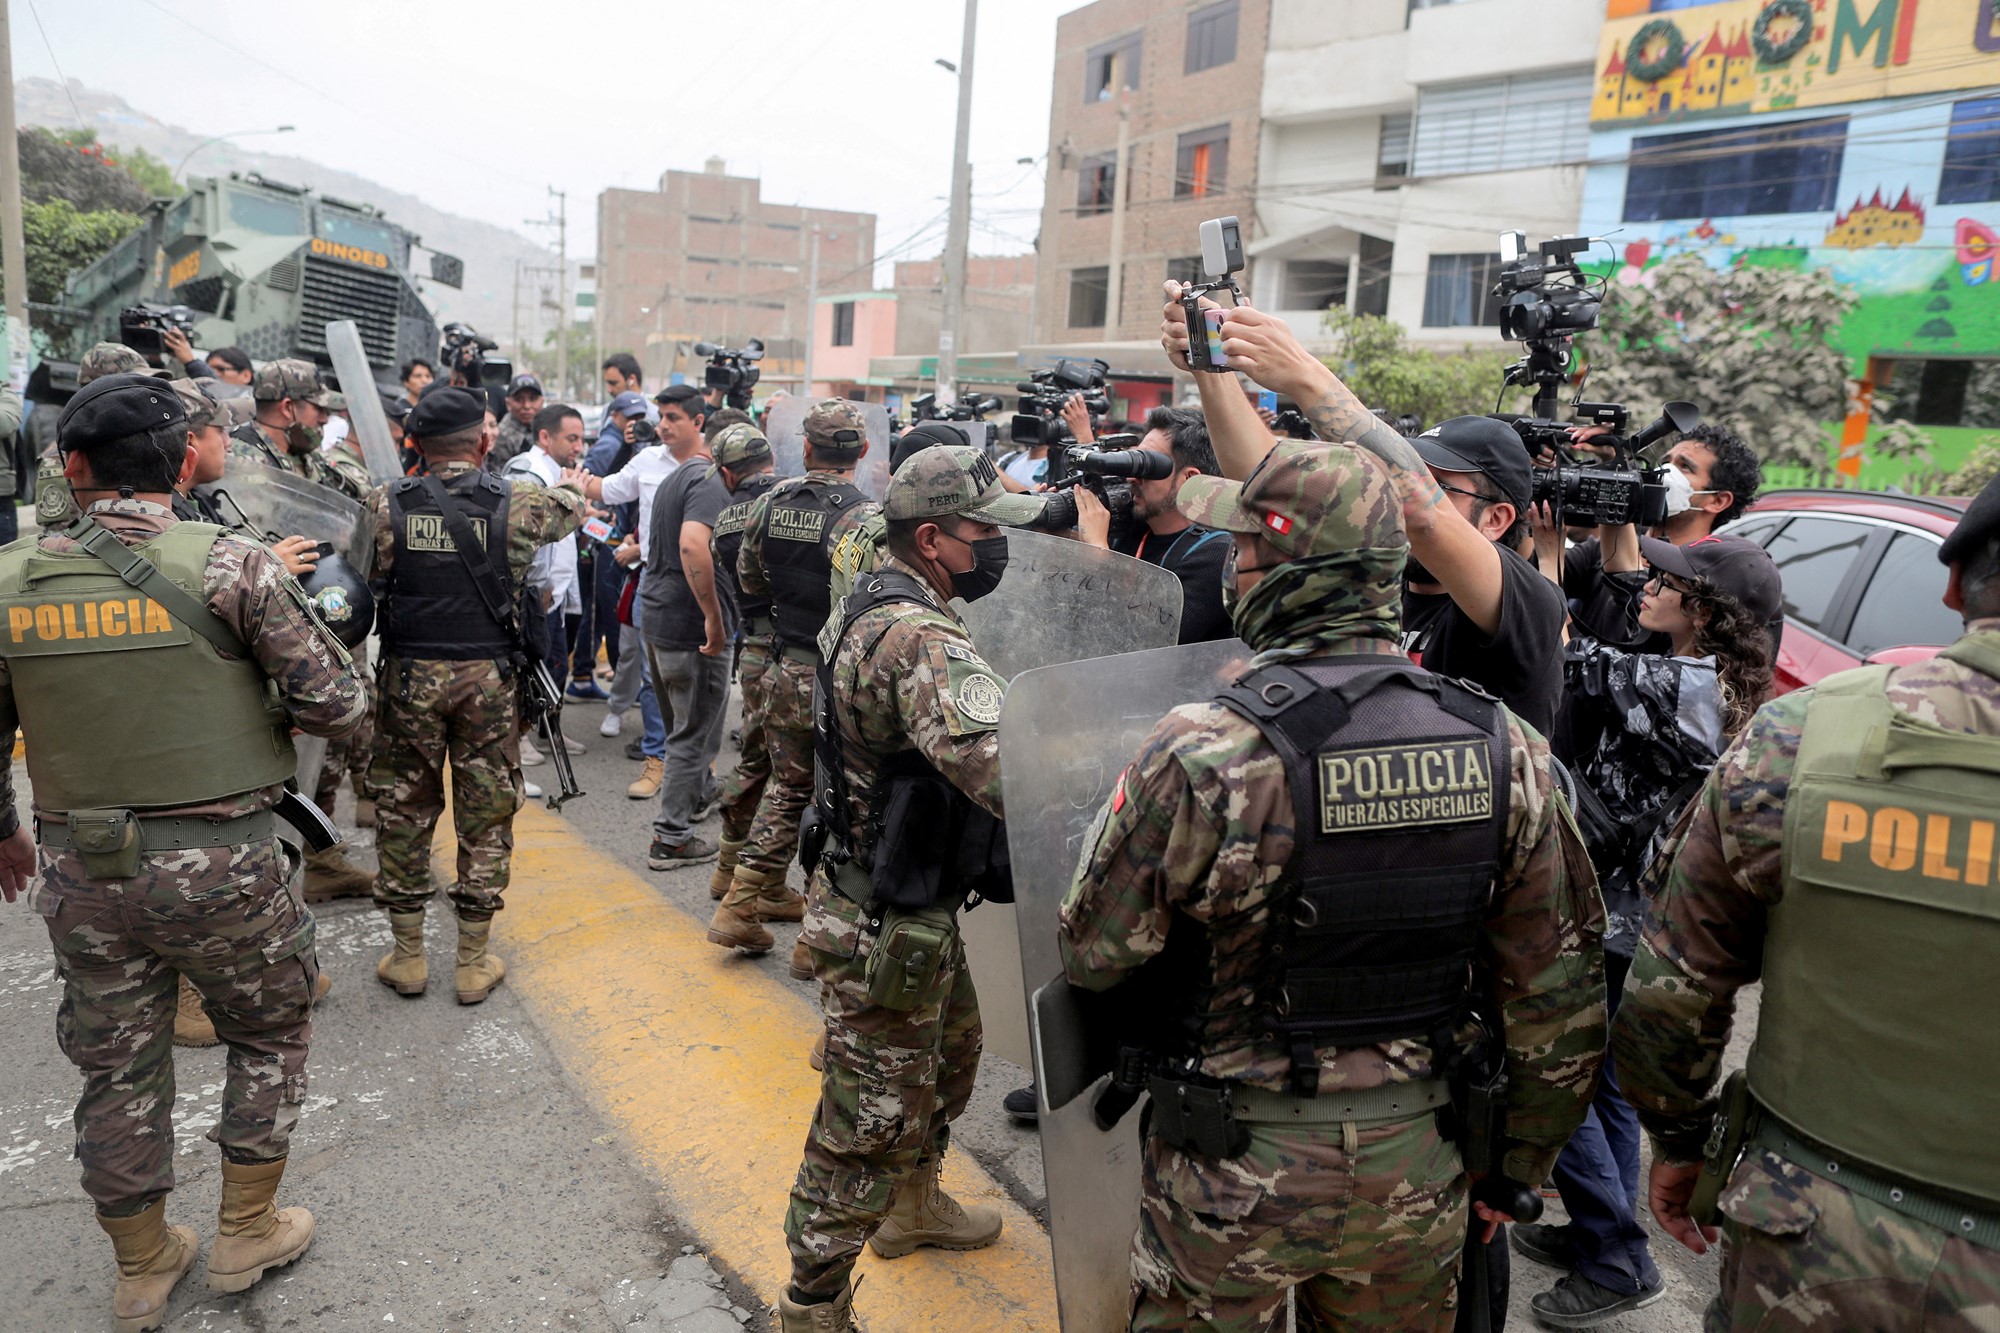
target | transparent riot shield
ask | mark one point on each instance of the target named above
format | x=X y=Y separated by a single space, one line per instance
x=1066 y=732
x=364 y=402
x=276 y=504
x=311 y=751
x=1061 y=600
x=784 y=427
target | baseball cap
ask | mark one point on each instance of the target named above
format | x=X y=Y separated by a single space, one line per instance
x=111 y=407
x=1741 y=569
x=1979 y=523
x=1305 y=498
x=524 y=384
x=290 y=378
x=1481 y=444
x=448 y=409
x=836 y=426
x=395 y=406
x=737 y=444
x=955 y=479
x=631 y=403
x=109 y=358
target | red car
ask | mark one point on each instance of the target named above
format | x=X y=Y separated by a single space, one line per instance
x=1861 y=573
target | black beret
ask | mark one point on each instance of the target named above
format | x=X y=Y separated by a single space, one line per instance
x=445 y=410
x=113 y=407
x=1981 y=523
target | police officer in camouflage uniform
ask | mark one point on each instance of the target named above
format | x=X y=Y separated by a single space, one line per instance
x=292 y=411
x=517 y=428
x=908 y=723
x=743 y=451
x=1326 y=1017
x=158 y=847
x=1842 y=854
x=447 y=681
x=786 y=556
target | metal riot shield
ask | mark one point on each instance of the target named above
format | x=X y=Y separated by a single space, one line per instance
x=276 y=504
x=364 y=400
x=1061 y=600
x=784 y=427
x=1066 y=732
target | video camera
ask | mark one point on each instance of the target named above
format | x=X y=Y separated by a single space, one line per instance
x=1221 y=260
x=143 y=328
x=970 y=410
x=1108 y=473
x=1546 y=301
x=464 y=354
x=1038 y=416
x=733 y=370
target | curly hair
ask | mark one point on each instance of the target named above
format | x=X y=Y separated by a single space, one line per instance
x=1737 y=469
x=1740 y=644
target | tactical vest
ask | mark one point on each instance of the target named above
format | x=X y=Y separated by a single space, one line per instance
x=433 y=608
x=1399 y=783
x=798 y=555
x=1876 y=1035
x=727 y=541
x=92 y=659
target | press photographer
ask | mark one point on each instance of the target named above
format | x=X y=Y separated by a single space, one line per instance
x=732 y=373
x=1060 y=405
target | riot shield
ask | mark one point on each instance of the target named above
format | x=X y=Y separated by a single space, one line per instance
x=1061 y=600
x=311 y=751
x=784 y=427
x=275 y=504
x=1066 y=732
x=364 y=400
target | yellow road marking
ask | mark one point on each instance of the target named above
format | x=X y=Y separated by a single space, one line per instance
x=699 y=1058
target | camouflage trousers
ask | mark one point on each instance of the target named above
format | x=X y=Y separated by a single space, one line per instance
x=1365 y=1220
x=432 y=711
x=788 y=735
x=1801 y=1252
x=745 y=787
x=894 y=1081
x=352 y=754
x=226 y=919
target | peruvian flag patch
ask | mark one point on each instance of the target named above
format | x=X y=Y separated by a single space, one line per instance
x=1118 y=797
x=1279 y=524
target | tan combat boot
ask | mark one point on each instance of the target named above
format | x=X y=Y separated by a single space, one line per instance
x=253 y=1234
x=152 y=1257
x=725 y=867
x=801 y=966
x=816 y=1057
x=404 y=967
x=478 y=971
x=651 y=775
x=330 y=876
x=767 y=895
x=923 y=1214
x=735 y=924
x=834 y=1316
x=191 y=1022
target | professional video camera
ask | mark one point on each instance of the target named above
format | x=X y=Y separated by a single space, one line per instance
x=733 y=370
x=1546 y=301
x=143 y=328
x=465 y=354
x=1108 y=473
x=970 y=410
x=1038 y=416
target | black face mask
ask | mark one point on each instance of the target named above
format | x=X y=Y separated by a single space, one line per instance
x=989 y=563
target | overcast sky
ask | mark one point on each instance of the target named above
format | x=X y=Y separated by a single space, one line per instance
x=480 y=107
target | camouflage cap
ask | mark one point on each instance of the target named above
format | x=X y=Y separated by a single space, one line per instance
x=112 y=359
x=202 y=411
x=289 y=379
x=738 y=444
x=954 y=479
x=1305 y=498
x=828 y=424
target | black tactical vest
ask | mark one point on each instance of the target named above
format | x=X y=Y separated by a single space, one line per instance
x=433 y=608
x=1399 y=784
x=798 y=555
x=728 y=540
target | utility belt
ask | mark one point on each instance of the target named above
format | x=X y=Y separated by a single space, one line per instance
x=1211 y=1117
x=113 y=842
x=759 y=627
x=911 y=945
x=800 y=653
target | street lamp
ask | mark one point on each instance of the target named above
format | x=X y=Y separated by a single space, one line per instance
x=233 y=134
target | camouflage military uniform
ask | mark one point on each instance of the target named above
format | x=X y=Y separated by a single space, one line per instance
x=353 y=754
x=744 y=787
x=1801 y=1250
x=511 y=439
x=249 y=445
x=224 y=917
x=464 y=710
x=1366 y=1218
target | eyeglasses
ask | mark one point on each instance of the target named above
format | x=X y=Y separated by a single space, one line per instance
x=1460 y=490
x=1666 y=580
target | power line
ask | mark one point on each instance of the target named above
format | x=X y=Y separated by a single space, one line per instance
x=81 y=123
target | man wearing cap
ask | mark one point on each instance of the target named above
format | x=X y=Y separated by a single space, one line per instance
x=517 y=428
x=158 y=847
x=787 y=556
x=292 y=411
x=1340 y=1185
x=1842 y=854
x=450 y=629
x=908 y=706
x=745 y=454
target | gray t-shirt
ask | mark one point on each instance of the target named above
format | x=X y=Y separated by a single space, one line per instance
x=669 y=615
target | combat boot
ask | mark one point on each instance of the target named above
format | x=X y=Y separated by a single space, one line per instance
x=923 y=1214
x=767 y=895
x=253 y=1235
x=725 y=866
x=152 y=1257
x=478 y=971
x=191 y=1022
x=834 y=1316
x=816 y=1057
x=735 y=925
x=404 y=967
x=801 y=966
x=329 y=876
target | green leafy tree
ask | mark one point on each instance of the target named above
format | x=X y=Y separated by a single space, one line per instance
x=59 y=240
x=1375 y=360
x=54 y=167
x=542 y=361
x=1981 y=466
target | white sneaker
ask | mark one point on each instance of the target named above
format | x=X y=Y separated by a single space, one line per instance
x=571 y=744
x=612 y=724
x=530 y=756
x=531 y=791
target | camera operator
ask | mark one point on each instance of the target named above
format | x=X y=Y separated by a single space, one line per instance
x=228 y=364
x=1161 y=534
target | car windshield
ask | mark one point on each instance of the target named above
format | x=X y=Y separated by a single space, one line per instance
x=348 y=229
x=262 y=213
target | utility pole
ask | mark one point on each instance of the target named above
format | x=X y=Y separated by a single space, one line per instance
x=561 y=223
x=1121 y=188
x=959 y=233
x=812 y=308
x=519 y=351
x=14 y=268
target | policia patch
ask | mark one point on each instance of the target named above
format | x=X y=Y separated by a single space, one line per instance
x=1404 y=786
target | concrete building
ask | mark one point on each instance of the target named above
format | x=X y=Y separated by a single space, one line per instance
x=881 y=346
x=999 y=301
x=705 y=257
x=1399 y=138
